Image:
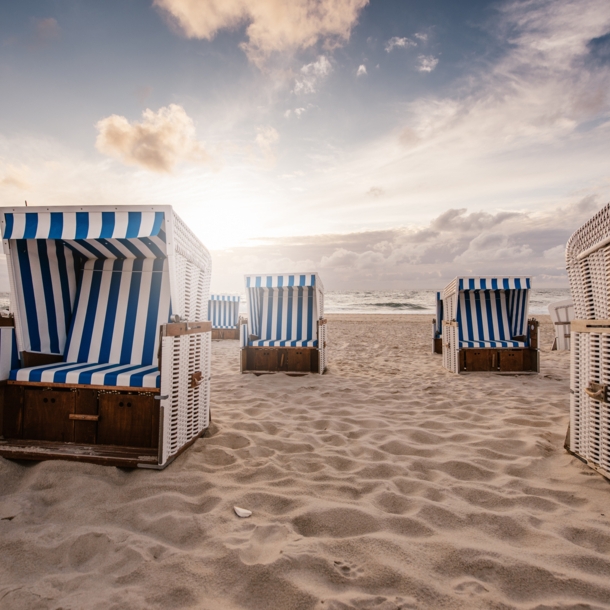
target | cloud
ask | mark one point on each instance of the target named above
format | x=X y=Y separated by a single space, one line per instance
x=311 y=75
x=422 y=36
x=158 y=143
x=271 y=26
x=266 y=138
x=45 y=31
x=426 y=63
x=455 y=242
x=14 y=177
x=402 y=43
x=375 y=191
x=361 y=70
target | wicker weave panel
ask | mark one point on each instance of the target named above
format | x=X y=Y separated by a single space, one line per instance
x=186 y=408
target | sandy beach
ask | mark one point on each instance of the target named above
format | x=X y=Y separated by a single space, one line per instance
x=387 y=483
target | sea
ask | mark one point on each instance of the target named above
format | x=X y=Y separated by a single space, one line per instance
x=419 y=301
x=397 y=301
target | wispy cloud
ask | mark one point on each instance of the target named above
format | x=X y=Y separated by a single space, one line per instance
x=361 y=70
x=266 y=139
x=426 y=63
x=44 y=32
x=158 y=143
x=271 y=26
x=13 y=176
x=400 y=43
x=311 y=75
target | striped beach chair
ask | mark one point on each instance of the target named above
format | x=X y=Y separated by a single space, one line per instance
x=562 y=314
x=110 y=349
x=588 y=264
x=286 y=328
x=223 y=313
x=437 y=327
x=486 y=328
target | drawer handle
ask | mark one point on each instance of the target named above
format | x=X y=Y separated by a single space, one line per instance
x=79 y=417
x=596 y=391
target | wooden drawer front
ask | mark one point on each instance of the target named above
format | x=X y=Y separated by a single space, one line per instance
x=511 y=360
x=478 y=360
x=46 y=415
x=128 y=420
x=262 y=360
x=299 y=360
x=12 y=416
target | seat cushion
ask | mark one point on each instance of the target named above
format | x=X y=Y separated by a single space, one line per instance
x=87 y=373
x=492 y=344
x=283 y=343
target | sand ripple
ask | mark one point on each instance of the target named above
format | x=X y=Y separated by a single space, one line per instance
x=387 y=483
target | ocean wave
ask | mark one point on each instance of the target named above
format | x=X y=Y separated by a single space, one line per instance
x=395 y=305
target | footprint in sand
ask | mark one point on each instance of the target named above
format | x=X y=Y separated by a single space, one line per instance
x=266 y=544
x=470 y=587
x=348 y=570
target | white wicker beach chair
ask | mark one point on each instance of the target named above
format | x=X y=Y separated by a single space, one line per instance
x=562 y=314
x=588 y=264
x=223 y=313
x=103 y=375
x=286 y=329
x=485 y=326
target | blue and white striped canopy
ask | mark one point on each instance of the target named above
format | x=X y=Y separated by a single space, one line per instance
x=283 y=310
x=492 y=318
x=279 y=281
x=93 y=287
x=223 y=311
x=82 y=225
x=493 y=283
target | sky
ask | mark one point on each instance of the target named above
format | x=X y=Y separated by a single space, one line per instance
x=386 y=144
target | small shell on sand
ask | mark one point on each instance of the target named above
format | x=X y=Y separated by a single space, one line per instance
x=242 y=512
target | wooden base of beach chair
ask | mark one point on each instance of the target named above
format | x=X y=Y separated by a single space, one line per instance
x=99 y=424
x=225 y=333
x=506 y=360
x=438 y=345
x=280 y=359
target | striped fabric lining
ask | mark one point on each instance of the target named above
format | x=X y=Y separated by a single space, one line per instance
x=119 y=308
x=48 y=274
x=280 y=281
x=517 y=311
x=127 y=375
x=82 y=225
x=96 y=291
x=493 y=283
x=439 y=315
x=9 y=358
x=223 y=311
x=254 y=305
x=143 y=247
x=287 y=317
x=484 y=319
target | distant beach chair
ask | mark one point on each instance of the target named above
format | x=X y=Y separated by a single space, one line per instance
x=562 y=314
x=437 y=327
x=588 y=264
x=286 y=328
x=103 y=375
x=223 y=313
x=485 y=326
